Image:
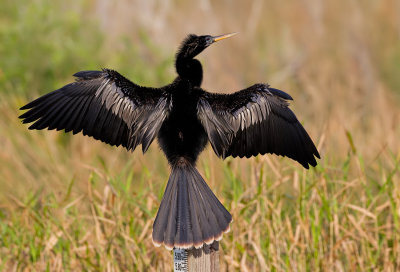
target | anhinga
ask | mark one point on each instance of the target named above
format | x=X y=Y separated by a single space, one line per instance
x=184 y=118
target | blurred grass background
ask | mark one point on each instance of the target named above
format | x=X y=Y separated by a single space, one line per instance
x=71 y=203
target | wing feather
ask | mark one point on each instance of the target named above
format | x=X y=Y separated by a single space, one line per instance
x=256 y=120
x=103 y=105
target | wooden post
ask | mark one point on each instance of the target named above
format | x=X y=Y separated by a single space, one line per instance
x=205 y=259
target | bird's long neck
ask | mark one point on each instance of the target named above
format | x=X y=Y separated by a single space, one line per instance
x=190 y=69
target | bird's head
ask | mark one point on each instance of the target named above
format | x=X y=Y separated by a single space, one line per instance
x=194 y=45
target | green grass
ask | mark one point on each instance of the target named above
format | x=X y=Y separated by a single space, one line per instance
x=313 y=226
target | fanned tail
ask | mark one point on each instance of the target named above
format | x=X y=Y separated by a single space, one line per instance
x=190 y=215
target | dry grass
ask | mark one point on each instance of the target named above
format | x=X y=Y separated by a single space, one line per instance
x=70 y=203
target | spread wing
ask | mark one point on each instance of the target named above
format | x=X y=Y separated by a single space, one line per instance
x=104 y=105
x=256 y=120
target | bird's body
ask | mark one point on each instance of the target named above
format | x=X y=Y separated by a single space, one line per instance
x=182 y=134
x=184 y=118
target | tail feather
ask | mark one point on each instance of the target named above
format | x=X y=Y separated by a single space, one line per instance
x=171 y=216
x=190 y=215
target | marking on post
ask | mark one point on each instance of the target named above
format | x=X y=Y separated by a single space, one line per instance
x=180 y=260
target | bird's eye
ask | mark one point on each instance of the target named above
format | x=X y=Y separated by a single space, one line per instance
x=208 y=40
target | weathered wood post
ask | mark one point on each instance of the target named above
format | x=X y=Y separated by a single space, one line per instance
x=205 y=259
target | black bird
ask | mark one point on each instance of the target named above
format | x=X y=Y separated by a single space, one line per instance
x=184 y=118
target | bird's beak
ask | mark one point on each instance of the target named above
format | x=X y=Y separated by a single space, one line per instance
x=221 y=37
